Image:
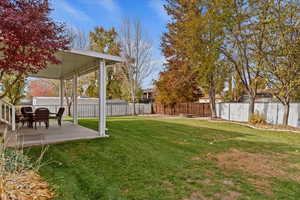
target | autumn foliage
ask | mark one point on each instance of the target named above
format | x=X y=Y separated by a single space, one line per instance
x=29 y=38
x=178 y=82
x=42 y=88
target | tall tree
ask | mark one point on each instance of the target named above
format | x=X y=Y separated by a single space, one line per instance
x=137 y=50
x=15 y=92
x=92 y=89
x=175 y=86
x=78 y=38
x=178 y=82
x=106 y=41
x=42 y=88
x=235 y=88
x=280 y=49
x=68 y=93
x=205 y=24
x=29 y=38
x=238 y=45
x=192 y=46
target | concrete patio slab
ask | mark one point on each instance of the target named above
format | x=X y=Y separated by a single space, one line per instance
x=27 y=137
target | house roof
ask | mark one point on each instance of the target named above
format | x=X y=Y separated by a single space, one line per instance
x=75 y=61
x=206 y=96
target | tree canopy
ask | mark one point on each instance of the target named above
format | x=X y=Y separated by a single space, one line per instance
x=29 y=38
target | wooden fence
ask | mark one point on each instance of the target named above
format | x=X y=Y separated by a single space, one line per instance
x=197 y=109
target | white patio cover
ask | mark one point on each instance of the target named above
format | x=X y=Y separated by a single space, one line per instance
x=75 y=61
x=78 y=62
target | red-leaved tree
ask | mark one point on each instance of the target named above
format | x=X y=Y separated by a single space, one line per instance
x=29 y=38
x=42 y=88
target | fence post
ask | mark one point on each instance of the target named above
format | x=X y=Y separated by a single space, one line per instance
x=111 y=108
x=94 y=110
x=229 y=112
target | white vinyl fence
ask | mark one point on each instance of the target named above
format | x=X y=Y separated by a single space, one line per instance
x=273 y=112
x=112 y=109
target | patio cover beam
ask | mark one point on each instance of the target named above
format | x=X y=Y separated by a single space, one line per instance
x=75 y=61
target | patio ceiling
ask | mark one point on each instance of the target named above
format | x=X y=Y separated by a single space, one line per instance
x=75 y=61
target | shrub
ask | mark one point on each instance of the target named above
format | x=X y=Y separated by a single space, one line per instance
x=257 y=119
x=15 y=160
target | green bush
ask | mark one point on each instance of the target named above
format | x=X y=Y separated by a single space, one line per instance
x=257 y=119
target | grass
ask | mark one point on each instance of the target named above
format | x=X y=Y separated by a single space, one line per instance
x=155 y=159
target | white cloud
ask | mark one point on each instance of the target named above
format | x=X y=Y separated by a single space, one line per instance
x=70 y=10
x=109 y=5
x=158 y=7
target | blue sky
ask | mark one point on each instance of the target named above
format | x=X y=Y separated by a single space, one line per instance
x=87 y=14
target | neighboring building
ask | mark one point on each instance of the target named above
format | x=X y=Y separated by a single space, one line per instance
x=205 y=99
x=148 y=96
x=263 y=96
x=25 y=102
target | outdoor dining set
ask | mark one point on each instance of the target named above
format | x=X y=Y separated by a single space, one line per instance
x=31 y=117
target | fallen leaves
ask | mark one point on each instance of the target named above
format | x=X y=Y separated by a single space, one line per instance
x=26 y=185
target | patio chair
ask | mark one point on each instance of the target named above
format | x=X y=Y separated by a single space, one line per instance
x=41 y=115
x=58 y=115
x=26 y=115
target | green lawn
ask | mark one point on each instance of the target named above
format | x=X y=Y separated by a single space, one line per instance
x=152 y=158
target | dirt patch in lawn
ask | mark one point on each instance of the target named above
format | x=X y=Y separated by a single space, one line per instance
x=262 y=185
x=261 y=166
x=197 y=196
x=256 y=164
x=229 y=195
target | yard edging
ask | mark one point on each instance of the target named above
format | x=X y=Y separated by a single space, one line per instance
x=254 y=127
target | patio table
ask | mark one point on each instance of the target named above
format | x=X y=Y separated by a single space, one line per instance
x=31 y=115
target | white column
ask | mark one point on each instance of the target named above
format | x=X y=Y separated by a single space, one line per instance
x=13 y=119
x=75 y=110
x=102 y=98
x=61 y=92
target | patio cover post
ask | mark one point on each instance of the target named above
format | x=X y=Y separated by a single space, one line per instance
x=75 y=110
x=61 y=92
x=102 y=98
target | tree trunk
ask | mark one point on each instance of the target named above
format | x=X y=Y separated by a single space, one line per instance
x=212 y=102
x=69 y=105
x=251 y=106
x=133 y=97
x=286 y=114
x=69 y=110
x=133 y=103
x=173 y=109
